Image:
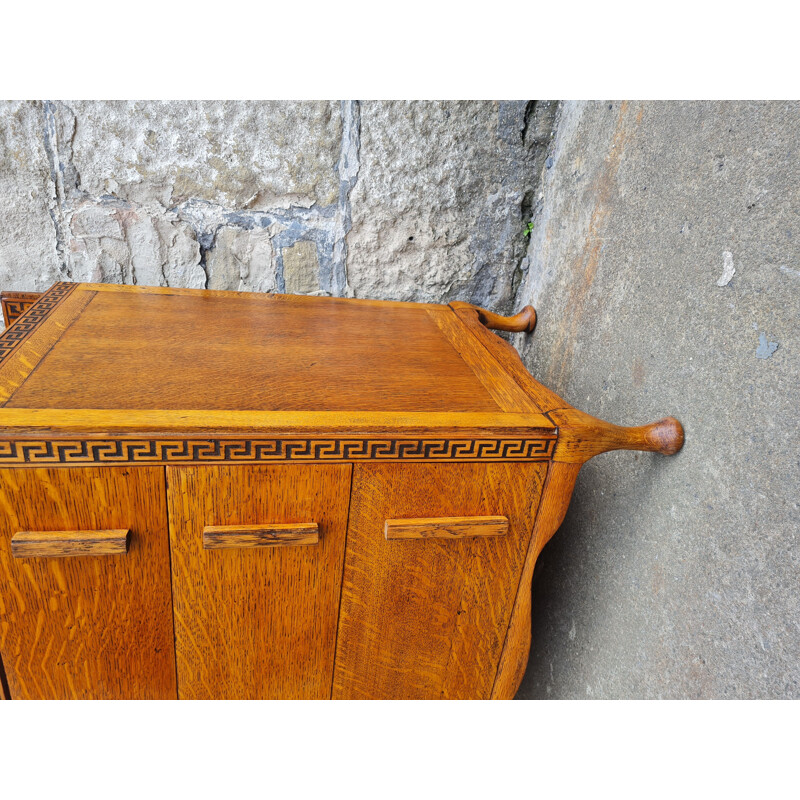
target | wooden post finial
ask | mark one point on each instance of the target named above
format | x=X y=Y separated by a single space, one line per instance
x=523 y=322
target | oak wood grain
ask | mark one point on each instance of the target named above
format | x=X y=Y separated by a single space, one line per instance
x=500 y=385
x=29 y=352
x=444 y=527
x=582 y=436
x=260 y=622
x=250 y=352
x=87 y=627
x=523 y=322
x=426 y=618
x=434 y=603
x=98 y=422
x=15 y=304
x=516 y=649
x=508 y=359
x=219 y=537
x=61 y=544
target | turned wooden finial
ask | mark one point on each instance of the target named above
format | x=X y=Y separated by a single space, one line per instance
x=582 y=436
x=665 y=436
x=524 y=322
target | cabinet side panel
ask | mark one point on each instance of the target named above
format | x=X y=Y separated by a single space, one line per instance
x=3 y=682
x=95 y=626
x=426 y=618
x=256 y=622
x=555 y=501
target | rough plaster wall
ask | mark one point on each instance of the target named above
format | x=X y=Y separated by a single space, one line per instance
x=195 y=194
x=443 y=193
x=262 y=196
x=28 y=257
x=673 y=577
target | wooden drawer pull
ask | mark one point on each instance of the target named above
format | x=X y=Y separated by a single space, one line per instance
x=217 y=537
x=58 y=544
x=445 y=527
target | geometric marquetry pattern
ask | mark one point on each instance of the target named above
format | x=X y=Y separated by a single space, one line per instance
x=15 y=304
x=14 y=335
x=62 y=452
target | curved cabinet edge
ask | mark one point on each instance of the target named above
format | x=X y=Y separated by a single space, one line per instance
x=556 y=495
x=581 y=436
x=5 y=694
x=506 y=356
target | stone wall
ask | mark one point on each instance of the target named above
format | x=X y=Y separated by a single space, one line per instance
x=411 y=201
x=665 y=271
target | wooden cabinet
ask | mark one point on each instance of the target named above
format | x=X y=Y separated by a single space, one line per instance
x=78 y=624
x=221 y=495
x=440 y=603
x=256 y=617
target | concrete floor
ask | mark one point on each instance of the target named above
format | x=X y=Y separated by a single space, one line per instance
x=673 y=577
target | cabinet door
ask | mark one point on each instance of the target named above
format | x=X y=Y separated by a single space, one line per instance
x=85 y=626
x=255 y=617
x=425 y=615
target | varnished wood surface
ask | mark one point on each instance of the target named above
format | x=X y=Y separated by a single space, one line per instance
x=427 y=618
x=219 y=537
x=15 y=304
x=583 y=436
x=87 y=627
x=445 y=527
x=62 y=544
x=177 y=353
x=259 y=622
x=523 y=322
x=33 y=336
x=98 y=422
x=245 y=352
x=549 y=516
x=435 y=602
x=542 y=398
x=501 y=386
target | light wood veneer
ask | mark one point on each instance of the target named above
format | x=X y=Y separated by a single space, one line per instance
x=230 y=495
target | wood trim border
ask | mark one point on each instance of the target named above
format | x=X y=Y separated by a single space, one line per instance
x=27 y=323
x=79 y=423
x=508 y=358
x=494 y=375
x=28 y=340
x=15 y=304
x=71 y=452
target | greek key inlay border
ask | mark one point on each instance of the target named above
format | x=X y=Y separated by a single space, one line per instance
x=24 y=326
x=63 y=452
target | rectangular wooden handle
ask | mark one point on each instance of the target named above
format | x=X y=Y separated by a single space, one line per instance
x=445 y=527
x=59 y=544
x=217 y=537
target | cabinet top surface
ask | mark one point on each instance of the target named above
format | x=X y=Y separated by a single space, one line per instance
x=181 y=353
